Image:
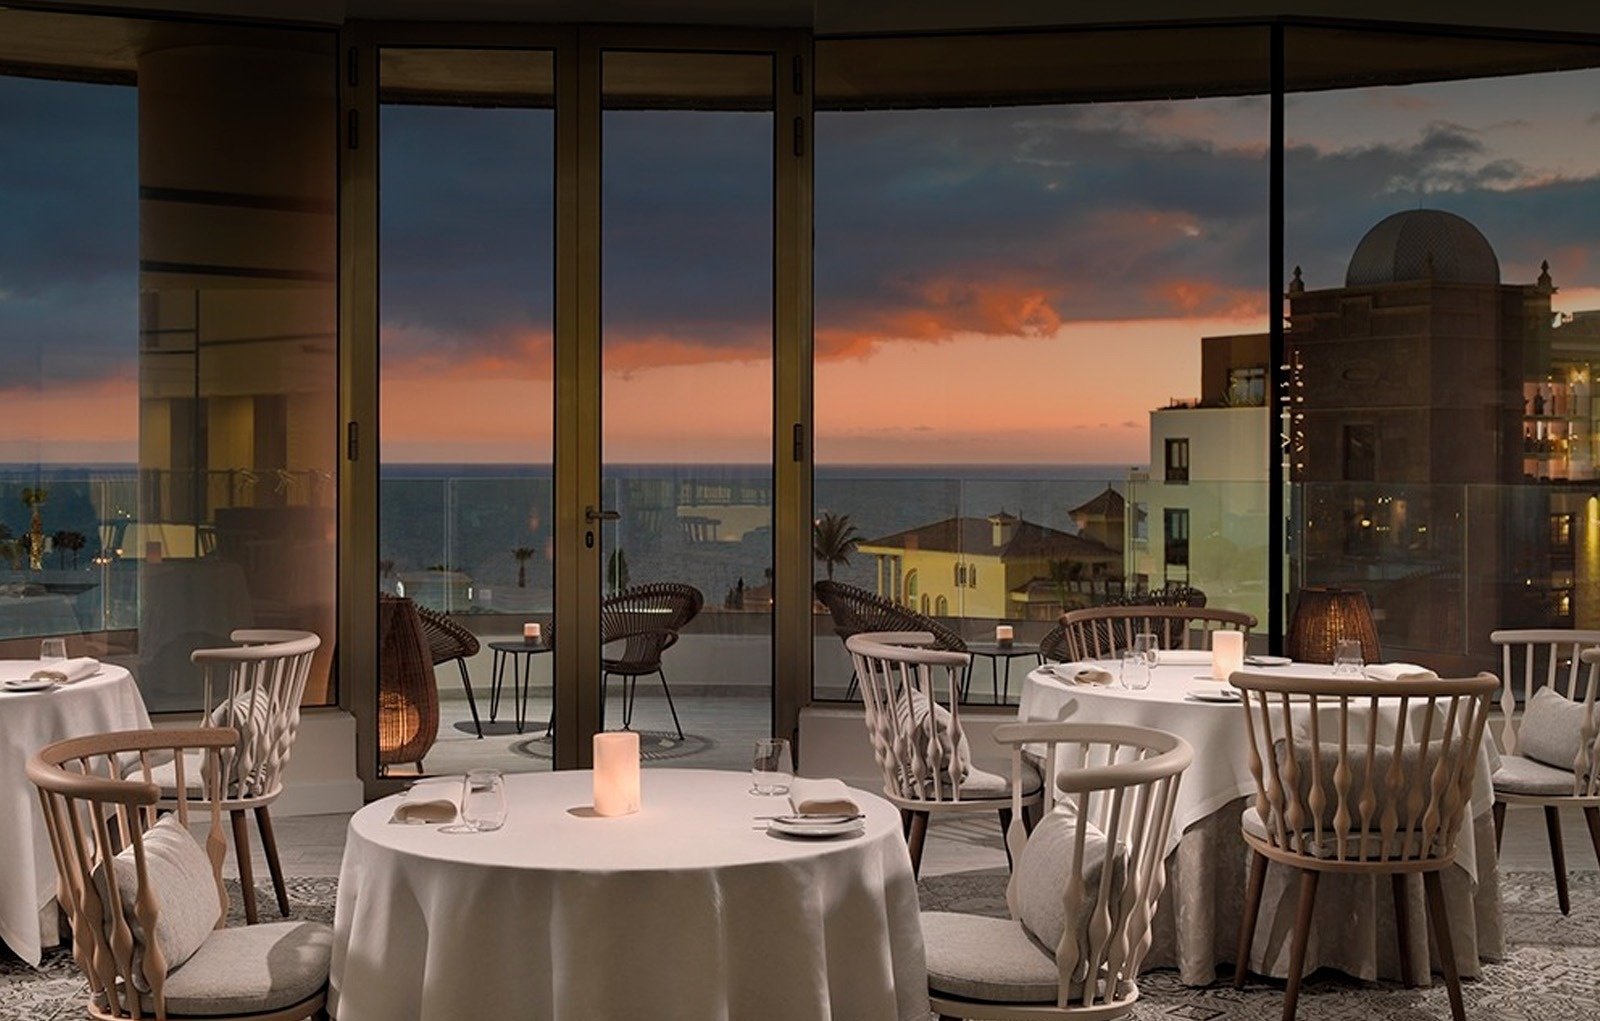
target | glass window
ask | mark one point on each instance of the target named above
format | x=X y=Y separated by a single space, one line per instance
x=1440 y=320
x=168 y=288
x=997 y=220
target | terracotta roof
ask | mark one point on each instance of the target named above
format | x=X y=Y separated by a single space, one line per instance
x=976 y=536
x=1108 y=503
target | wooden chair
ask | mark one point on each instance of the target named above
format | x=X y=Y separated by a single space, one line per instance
x=856 y=611
x=1531 y=780
x=281 y=968
x=911 y=690
x=261 y=680
x=408 y=689
x=448 y=640
x=1362 y=776
x=1103 y=632
x=1100 y=858
x=646 y=619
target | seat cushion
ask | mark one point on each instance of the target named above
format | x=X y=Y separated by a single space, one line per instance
x=917 y=714
x=252 y=969
x=165 y=774
x=1356 y=759
x=1551 y=730
x=994 y=959
x=1328 y=846
x=1044 y=868
x=1519 y=775
x=185 y=891
x=981 y=783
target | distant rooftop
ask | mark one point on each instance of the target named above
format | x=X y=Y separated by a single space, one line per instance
x=1027 y=540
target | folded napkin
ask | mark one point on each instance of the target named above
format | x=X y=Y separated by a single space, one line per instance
x=1395 y=671
x=68 y=671
x=1092 y=675
x=419 y=808
x=1183 y=657
x=821 y=797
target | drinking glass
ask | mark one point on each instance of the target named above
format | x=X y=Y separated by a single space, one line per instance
x=771 y=770
x=52 y=649
x=1347 y=657
x=483 y=800
x=1135 y=670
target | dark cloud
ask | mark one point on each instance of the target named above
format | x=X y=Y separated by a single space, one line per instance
x=69 y=241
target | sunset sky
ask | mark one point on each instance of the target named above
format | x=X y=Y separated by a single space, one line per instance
x=994 y=285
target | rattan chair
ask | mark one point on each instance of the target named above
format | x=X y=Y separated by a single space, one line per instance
x=279 y=969
x=1097 y=870
x=1053 y=647
x=911 y=690
x=1363 y=777
x=448 y=640
x=256 y=688
x=1103 y=632
x=856 y=611
x=646 y=619
x=1530 y=780
x=408 y=692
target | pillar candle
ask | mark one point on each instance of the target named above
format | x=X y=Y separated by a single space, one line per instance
x=1227 y=653
x=616 y=772
x=531 y=632
x=1002 y=633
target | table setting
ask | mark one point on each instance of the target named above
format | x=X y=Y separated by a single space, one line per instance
x=1185 y=692
x=41 y=701
x=615 y=883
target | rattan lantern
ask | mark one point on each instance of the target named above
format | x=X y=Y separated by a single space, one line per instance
x=1323 y=616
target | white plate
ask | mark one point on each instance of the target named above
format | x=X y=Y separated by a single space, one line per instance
x=1221 y=696
x=28 y=684
x=1267 y=661
x=844 y=828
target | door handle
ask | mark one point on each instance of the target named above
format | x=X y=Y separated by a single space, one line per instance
x=591 y=515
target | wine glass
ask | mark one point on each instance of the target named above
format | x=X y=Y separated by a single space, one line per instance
x=1347 y=657
x=483 y=800
x=1135 y=670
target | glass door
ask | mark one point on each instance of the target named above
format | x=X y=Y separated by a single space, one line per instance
x=686 y=325
x=466 y=306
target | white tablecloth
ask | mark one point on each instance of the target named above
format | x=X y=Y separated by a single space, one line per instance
x=28 y=722
x=1211 y=852
x=687 y=910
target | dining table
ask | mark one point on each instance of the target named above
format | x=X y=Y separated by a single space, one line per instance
x=689 y=908
x=1197 y=922
x=29 y=720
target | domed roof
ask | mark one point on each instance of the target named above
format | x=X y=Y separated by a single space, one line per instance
x=1402 y=246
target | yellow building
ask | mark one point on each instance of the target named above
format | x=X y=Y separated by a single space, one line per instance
x=986 y=567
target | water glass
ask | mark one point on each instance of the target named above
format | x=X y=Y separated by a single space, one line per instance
x=772 y=770
x=1146 y=645
x=483 y=800
x=1135 y=670
x=52 y=649
x=1347 y=657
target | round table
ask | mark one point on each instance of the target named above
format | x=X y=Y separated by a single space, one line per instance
x=29 y=721
x=686 y=910
x=521 y=677
x=1206 y=854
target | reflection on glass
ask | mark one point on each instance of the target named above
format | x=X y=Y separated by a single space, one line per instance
x=687 y=402
x=466 y=239
x=1442 y=345
x=1024 y=310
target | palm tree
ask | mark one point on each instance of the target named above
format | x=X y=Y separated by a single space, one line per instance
x=833 y=538
x=523 y=555
x=73 y=541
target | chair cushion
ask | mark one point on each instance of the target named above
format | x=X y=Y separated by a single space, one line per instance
x=1382 y=760
x=165 y=774
x=1519 y=775
x=1041 y=873
x=185 y=892
x=1328 y=846
x=981 y=783
x=979 y=958
x=1551 y=731
x=914 y=716
x=252 y=969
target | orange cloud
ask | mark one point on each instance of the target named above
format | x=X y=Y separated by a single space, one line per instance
x=944 y=309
